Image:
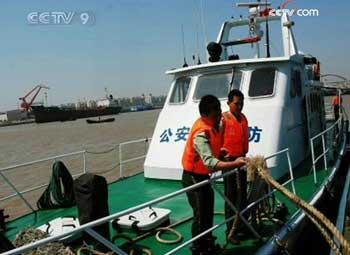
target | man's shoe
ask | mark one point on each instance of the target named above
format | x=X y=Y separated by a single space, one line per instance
x=211 y=248
x=195 y=250
x=233 y=239
x=214 y=249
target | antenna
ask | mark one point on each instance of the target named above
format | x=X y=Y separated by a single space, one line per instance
x=183 y=46
x=203 y=26
x=197 y=13
x=267 y=33
x=197 y=46
x=232 y=78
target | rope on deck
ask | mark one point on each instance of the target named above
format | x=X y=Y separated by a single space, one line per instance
x=31 y=235
x=92 y=251
x=171 y=230
x=258 y=164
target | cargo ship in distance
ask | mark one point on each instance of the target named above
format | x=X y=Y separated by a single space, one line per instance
x=107 y=106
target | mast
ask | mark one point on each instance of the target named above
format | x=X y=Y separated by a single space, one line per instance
x=254 y=12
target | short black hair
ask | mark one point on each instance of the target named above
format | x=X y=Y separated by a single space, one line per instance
x=207 y=104
x=235 y=93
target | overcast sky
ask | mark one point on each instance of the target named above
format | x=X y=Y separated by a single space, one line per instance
x=131 y=43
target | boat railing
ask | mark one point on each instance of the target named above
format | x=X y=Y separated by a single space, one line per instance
x=124 y=161
x=83 y=153
x=21 y=193
x=325 y=149
x=290 y=180
x=88 y=228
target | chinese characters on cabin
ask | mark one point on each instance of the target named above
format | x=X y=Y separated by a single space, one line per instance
x=181 y=134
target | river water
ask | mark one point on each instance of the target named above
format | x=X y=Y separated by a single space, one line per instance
x=25 y=143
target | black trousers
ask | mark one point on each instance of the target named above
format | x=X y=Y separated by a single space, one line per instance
x=336 y=117
x=202 y=203
x=235 y=189
x=336 y=112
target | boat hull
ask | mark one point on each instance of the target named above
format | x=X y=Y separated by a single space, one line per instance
x=51 y=114
x=300 y=235
x=100 y=121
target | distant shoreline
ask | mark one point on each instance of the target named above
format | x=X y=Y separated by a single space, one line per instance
x=16 y=123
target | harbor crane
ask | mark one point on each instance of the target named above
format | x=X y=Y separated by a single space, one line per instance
x=26 y=105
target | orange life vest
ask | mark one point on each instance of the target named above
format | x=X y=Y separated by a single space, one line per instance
x=336 y=100
x=191 y=160
x=236 y=135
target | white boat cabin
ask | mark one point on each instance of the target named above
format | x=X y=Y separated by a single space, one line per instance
x=283 y=102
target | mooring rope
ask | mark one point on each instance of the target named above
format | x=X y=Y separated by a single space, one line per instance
x=258 y=163
x=325 y=234
x=31 y=235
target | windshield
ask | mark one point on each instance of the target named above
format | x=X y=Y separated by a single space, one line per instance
x=217 y=84
x=180 y=90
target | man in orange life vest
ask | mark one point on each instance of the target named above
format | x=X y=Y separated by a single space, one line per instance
x=199 y=160
x=336 y=105
x=235 y=145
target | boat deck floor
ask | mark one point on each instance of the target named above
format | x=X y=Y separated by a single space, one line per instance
x=135 y=190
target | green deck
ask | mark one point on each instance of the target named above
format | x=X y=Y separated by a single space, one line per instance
x=135 y=190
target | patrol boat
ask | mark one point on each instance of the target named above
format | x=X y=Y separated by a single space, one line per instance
x=283 y=99
x=284 y=105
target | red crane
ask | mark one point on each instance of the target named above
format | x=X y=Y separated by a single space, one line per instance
x=26 y=106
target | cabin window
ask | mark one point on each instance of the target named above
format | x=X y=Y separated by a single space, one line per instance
x=217 y=84
x=262 y=82
x=180 y=90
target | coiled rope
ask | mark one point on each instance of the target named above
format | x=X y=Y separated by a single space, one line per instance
x=171 y=230
x=143 y=250
x=31 y=235
x=92 y=251
x=258 y=164
x=132 y=241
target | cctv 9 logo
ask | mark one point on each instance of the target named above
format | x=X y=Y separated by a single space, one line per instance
x=60 y=18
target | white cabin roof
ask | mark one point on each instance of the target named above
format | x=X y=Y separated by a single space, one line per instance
x=228 y=63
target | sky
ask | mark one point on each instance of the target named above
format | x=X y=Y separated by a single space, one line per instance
x=129 y=44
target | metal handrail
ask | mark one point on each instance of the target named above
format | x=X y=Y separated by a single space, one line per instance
x=87 y=227
x=41 y=160
x=114 y=216
x=32 y=189
x=286 y=150
x=262 y=198
x=82 y=152
x=325 y=149
x=291 y=180
x=326 y=130
x=121 y=161
x=20 y=193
